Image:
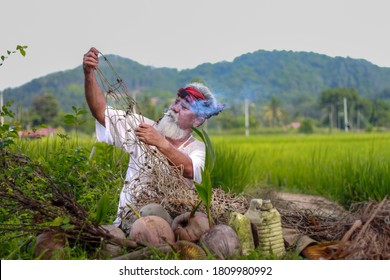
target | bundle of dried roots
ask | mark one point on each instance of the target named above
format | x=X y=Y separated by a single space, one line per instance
x=48 y=208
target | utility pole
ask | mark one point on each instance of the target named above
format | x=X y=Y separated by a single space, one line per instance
x=246 y=117
x=345 y=115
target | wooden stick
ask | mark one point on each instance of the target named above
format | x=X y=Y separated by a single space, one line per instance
x=144 y=253
x=370 y=219
x=357 y=224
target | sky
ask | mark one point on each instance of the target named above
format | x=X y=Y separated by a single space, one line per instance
x=185 y=33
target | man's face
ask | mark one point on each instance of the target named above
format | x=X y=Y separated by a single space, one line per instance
x=185 y=113
x=177 y=120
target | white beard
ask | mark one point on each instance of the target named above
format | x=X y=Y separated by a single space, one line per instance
x=168 y=127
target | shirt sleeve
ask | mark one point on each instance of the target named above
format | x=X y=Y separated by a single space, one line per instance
x=197 y=153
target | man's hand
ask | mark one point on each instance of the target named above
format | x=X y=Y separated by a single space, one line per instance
x=90 y=61
x=149 y=135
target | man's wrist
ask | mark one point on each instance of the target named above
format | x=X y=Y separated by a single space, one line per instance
x=164 y=145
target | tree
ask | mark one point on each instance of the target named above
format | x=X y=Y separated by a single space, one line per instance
x=380 y=114
x=273 y=112
x=44 y=109
x=332 y=100
x=363 y=111
x=306 y=126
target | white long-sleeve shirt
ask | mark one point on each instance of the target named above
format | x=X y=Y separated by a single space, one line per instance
x=119 y=131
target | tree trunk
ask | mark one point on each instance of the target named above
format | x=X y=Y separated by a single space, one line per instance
x=331 y=114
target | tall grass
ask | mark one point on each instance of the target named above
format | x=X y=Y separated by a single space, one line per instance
x=234 y=168
x=344 y=167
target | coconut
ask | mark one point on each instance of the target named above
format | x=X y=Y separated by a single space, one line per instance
x=222 y=241
x=111 y=250
x=50 y=245
x=188 y=250
x=190 y=228
x=152 y=230
x=154 y=209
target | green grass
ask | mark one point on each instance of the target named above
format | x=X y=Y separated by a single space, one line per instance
x=345 y=167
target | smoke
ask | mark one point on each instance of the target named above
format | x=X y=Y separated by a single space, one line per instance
x=206 y=109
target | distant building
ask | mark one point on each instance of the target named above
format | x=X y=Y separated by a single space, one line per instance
x=36 y=133
x=294 y=125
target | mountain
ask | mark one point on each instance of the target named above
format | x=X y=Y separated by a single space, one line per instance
x=259 y=75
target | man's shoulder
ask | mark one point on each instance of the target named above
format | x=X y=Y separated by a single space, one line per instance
x=197 y=144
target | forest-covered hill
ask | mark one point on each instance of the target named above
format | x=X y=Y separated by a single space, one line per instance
x=259 y=76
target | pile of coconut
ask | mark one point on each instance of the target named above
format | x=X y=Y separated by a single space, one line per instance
x=188 y=235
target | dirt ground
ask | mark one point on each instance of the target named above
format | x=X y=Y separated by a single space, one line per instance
x=317 y=204
x=310 y=202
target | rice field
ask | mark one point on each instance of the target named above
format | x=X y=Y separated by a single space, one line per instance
x=344 y=167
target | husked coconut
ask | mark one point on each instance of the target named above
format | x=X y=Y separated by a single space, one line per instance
x=49 y=245
x=151 y=230
x=188 y=250
x=222 y=241
x=109 y=249
x=154 y=209
x=190 y=228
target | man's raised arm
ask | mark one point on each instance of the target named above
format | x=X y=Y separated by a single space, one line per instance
x=95 y=99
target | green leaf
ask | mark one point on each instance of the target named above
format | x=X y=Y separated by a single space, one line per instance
x=204 y=189
x=210 y=154
x=68 y=227
x=82 y=112
x=102 y=208
x=21 y=49
x=65 y=220
x=69 y=119
x=57 y=222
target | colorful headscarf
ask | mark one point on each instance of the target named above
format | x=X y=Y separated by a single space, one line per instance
x=199 y=103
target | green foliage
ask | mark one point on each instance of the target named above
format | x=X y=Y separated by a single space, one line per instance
x=75 y=118
x=204 y=189
x=44 y=109
x=102 y=208
x=306 y=127
x=7 y=132
x=19 y=48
